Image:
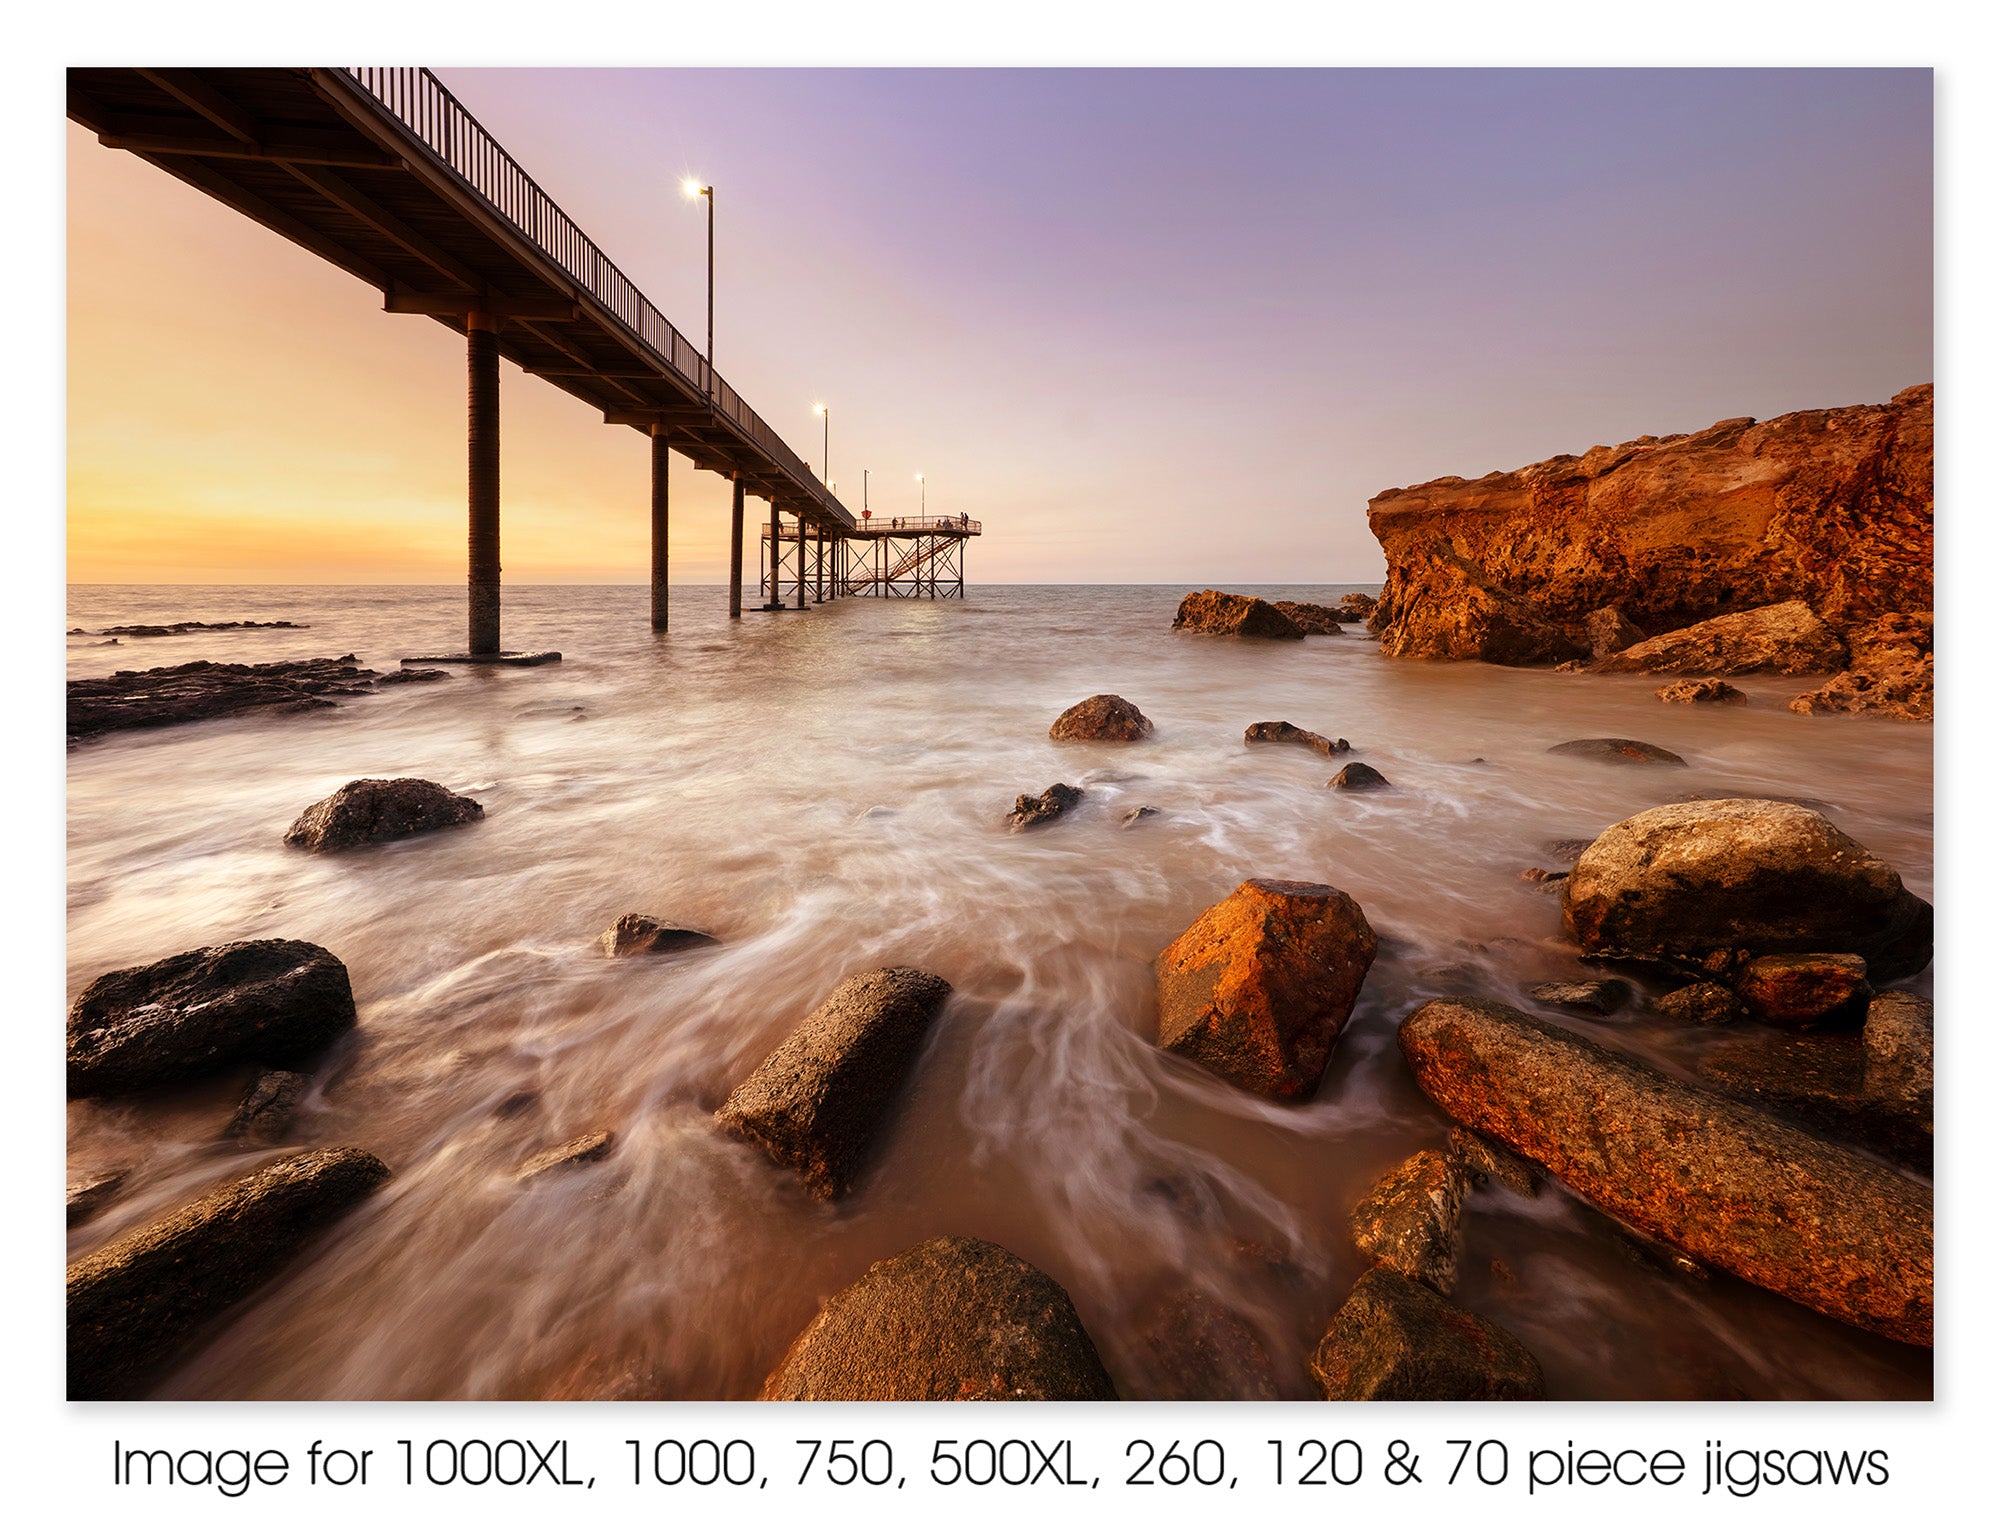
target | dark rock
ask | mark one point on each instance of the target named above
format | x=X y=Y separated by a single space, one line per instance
x=1566 y=851
x=408 y=677
x=1800 y=989
x=1541 y=875
x=91 y=1194
x=589 y=1148
x=1723 y=1183
x=949 y=1319
x=270 y=1002
x=1138 y=815
x=641 y=935
x=1103 y=717
x=1318 y=621
x=1708 y=693
x=1607 y=632
x=1480 y=1161
x=1408 y=1221
x=1286 y=733
x=1206 y=1353
x=202 y=689
x=1617 y=752
x=1030 y=811
x=134 y=1304
x=1597 y=996
x=1356 y=777
x=1820 y=1082
x=268 y=1106
x=1697 y=883
x=1259 y=986
x=1356 y=607
x=170 y=629
x=1788 y=639
x=818 y=1103
x=1701 y=1004
x=1897 y=1038
x=1396 y=1339
x=370 y=811
x=1240 y=616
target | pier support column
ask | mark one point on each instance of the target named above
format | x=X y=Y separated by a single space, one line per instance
x=736 y=550
x=482 y=484
x=819 y=564
x=659 y=529
x=802 y=563
x=774 y=599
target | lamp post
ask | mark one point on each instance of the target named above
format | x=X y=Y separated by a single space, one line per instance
x=825 y=440
x=693 y=187
x=920 y=496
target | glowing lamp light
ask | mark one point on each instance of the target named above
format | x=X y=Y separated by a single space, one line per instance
x=693 y=187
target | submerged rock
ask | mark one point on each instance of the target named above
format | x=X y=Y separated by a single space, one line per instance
x=1138 y=816
x=1396 y=1339
x=1206 y=1352
x=1890 y=671
x=1052 y=804
x=1699 y=883
x=270 y=1002
x=1103 y=717
x=1239 y=616
x=91 y=1194
x=1720 y=1181
x=1800 y=989
x=1705 y=693
x=1408 y=1221
x=409 y=677
x=136 y=1302
x=587 y=1148
x=203 y=689
x=1596 y=996
x=1785 y=639
x=1701 y=1004
x=1319 y=621
x=266 y=1111
x=1287 y=733
x=1617 y=752
x=820 y=1101
x=949 y=1319
x=370 y=811
x=1259 y=986
x=636 y=935
x=1356 y=777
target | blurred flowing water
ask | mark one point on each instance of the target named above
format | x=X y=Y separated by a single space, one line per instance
x=825 y=792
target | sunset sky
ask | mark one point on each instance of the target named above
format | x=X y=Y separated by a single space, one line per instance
x=1164 y=326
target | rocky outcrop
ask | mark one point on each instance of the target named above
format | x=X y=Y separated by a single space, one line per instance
x=1356 y=607
x=1829 y=506
x=1709 y=884
x=1233 y=616
x=270 y=1002
x=1724 y=1183
x=1800 y=989
x=585 y=1148
x=1205 y=1352
x=1287 y=733
x=1617 y=752
x=1786 y=639
x=267 y=1109
x=820 y=1101
x=1394 y=1339
x=1890 y=670
x=640 y=935
x=1103 y=717
x=1052 y=804
x=202 y=689
x=1259 y=986
x=1315 y=621
x=1358 y=777
x=371 y=811
x=1702 y=693
x=174 y=629
x=1606 y=632
x=136 y=1302
x=952 y=1319
x=1408 y=1221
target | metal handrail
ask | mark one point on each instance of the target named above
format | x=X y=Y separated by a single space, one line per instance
x=417 y=101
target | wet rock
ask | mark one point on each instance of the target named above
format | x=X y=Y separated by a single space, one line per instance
x=266 y=1111
x=1239 y=616
x=636 y=935
x=1606 y=631
x=170 y=629
x=1705 y=693
x=1785 y=639
x=1480 y=1161
x=1800 y=989
x=588 y=1148
x=1030 y=811
x=1820 y=1082
x=1287 y=733
x=949 y=1319
x=409 y=677
x=1396 y=1339
x=1897 y=1037
x=1408 y=1221
x=1722 y=1182
x=1205 y=1352
x=1356 y=607
x=1104 y=717
x=1259 y=986
x=820 y=1101
x=135 y=1303
x=1701 y=1004
x=1890 y=671
x=371 y=811
x=202 y=689
x=1356 y=777
x=1541 y=875
x=1566 y=851
x=270 y=1002
x=1617 y=752
x=1696 y=883
x=91 y=1194
x=1318 y=621
x=1596 y=996
x=1138 y=816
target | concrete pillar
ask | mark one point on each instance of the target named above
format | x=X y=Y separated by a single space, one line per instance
x=482 y=484
x=659 y=529
x=736 y=550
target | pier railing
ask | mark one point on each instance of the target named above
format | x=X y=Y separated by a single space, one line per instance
x=436 y=121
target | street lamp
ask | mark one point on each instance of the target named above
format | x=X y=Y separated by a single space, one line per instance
x=825 y=437
x=920 y=495
x=693 y=188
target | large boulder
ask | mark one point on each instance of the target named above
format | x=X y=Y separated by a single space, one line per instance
x=1394 y=1339
x=270 y=1002
x=1898 y=1040
x=1236 y=616
x=1890 y=671
x=1319 y=621
x=1822 y=1083
x=135 y=1303
x=950 y=1319
x=370 y=811
x=1785 y=639
x=1708 y=883
x=1103 y=717
x=1258 y=987
x=1800 y=989
x=1408 y=1221
x=1720 y=1181
x=818 y=1103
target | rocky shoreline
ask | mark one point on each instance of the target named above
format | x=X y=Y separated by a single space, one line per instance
x=203 y=688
